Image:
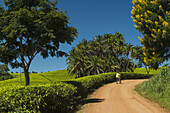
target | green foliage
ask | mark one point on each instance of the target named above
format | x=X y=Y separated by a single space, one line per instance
x=158 y=87
x=38 y=79
x=89 y=83
x=5 y=77
x=4 y=73
x=159 y=82
x=4 y=69
x=152 y=19
x=28 y=28
x=143 y=71
x=61 y=97
x=105 y=53
x=51 y=98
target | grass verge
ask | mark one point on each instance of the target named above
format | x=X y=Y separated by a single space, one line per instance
x=157 y=88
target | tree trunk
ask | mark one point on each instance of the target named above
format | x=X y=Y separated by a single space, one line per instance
x=27 y=78
x=147 y=70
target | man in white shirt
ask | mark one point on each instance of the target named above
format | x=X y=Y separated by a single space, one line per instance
x=118 y=78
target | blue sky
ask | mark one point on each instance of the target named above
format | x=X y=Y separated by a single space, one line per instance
x=91 y=18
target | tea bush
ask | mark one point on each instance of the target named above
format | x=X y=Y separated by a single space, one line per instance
x=60 y=97
x=87 y=84
x=50 y=98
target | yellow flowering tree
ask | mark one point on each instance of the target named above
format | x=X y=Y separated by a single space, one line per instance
x=152 y=19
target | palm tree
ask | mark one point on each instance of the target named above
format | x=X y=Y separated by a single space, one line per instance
x=76 y=62
x=127 y=52
x=95 y=65
x=105 y=53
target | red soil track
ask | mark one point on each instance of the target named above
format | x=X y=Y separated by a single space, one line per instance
x=120 y=98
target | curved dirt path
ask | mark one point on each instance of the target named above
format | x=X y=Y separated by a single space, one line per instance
x=120 y=98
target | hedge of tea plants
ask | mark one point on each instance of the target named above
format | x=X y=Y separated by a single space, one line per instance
x=60 y=97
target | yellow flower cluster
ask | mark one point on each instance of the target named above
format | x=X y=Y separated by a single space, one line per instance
x=160 y=18
x=150 y=12
x=148 y=27
x=165 y=24
x=141 y=39
x=136 y=26
x=145 y=54
x=153 y=53
x=146 y=15
x=159 y=31
x=146 y=60
x=168 y=12
x=150 y=21
x=154 y=36
x=134 y=1
x=160 y=7
x=140 y=1
x=140 y=23
x=154 y=30
x=143 y=2
x=138 y=7
x=132 y=17
x=142 y=19
x=153 y=2
x=156 y=23
x=164 y=32
x=133 y=12
x=137 y=17
x=144 y=48
x=134 y=20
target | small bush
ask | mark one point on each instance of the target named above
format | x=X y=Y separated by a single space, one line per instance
x=5 y=77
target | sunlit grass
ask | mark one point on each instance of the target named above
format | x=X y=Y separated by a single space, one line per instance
x=50 y=77
x=36 y=79
x=143 y=71
x=157 y=88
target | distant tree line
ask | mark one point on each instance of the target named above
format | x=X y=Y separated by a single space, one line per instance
x=105 y=53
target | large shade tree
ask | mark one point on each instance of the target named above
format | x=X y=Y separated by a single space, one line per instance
x=152 y=19
x=31 y=27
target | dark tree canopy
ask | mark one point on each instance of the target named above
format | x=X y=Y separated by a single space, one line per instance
x=31 y=27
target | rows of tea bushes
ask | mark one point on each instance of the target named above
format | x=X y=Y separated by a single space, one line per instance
x=87 y=84
x=61 y=97
x=50 y=98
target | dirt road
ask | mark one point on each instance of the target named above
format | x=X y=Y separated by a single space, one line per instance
x=120 y=98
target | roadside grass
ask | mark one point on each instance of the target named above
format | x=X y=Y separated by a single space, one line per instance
x=38 y=79
x=157 y=88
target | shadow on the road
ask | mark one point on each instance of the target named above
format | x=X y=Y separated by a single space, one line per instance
x=92 y=100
